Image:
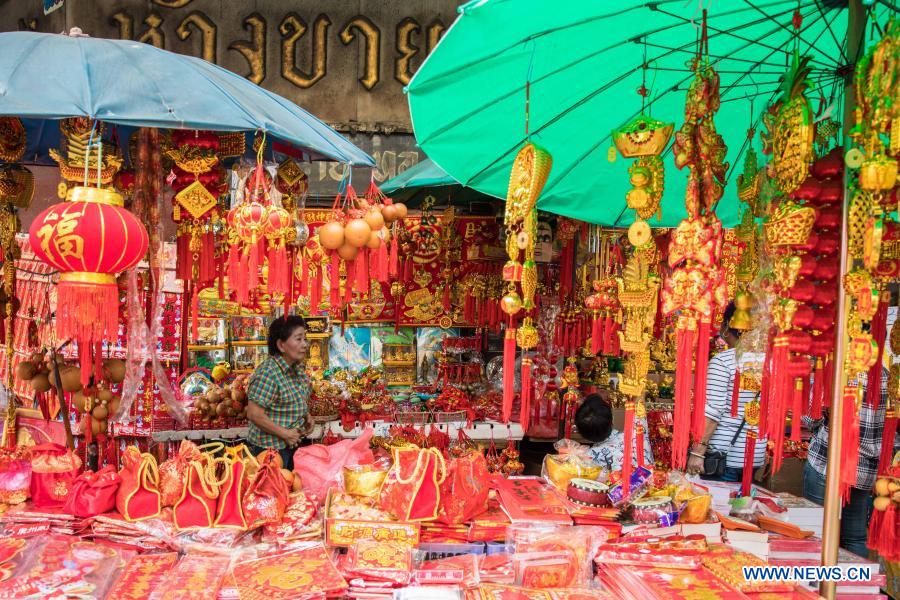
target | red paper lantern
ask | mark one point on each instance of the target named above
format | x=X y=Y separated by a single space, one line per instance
x=89 y=238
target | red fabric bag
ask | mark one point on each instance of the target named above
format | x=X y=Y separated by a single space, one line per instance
x=230 y=509
x=53 y=471
x=93 y=493
x=267 y=497
x=197 y=505
x=464 y=493
x=319 y=466
x=138 y=497
x=173 y=472
x=412 y=488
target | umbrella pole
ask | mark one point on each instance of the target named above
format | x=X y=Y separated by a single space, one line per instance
x=831 y=526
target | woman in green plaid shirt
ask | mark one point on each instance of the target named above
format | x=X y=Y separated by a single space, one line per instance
x=279 y=392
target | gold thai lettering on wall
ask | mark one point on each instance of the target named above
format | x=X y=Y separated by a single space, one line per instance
x=406 y=49
x=293 y=28
x=199 y=21
x=254 y=51
x=372 y=37
x=412 y=42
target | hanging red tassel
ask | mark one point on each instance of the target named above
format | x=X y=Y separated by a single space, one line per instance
x=382 y=264
x=469 y=309
x=304 y=275
x=639 y=440
x=887 y=440
x=596 y=334
x=393 y=263
x=84 y=358
x=797 y=411
x=878 y=330
x=829 y=377
x=749 y=454
x=361 y=282
x=702 y=362
x=682 y=417
x=445 y=298
x=612 y=347
x=884 y=531
x=818 y=392
x=315 y=292
x=334 y=279
x=629 y=445
x=253 y=268
x=350 y=279
x=195 y=316
x=850 y=442
x=780 y=382
x=509 y=375
x=735 y=391
x=527 y=394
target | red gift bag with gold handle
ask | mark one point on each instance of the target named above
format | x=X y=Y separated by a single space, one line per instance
x=230 y=509
x=138 y=497
x=412 y=488
x=199 y=498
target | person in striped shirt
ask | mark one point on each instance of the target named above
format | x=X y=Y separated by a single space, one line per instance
x=724 y=432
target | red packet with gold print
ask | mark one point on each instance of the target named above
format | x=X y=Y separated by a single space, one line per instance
x=542 y=570
x=380 y=561
x=196 y=577
x=288 y=576
x=142 y=575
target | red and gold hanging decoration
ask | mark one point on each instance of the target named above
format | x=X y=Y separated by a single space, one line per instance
x=638 y=288
x=696 y=289
x=875 y=251
x=90 y=238
x=530 y=171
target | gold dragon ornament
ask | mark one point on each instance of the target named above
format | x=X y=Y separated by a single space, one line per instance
x=530 y=171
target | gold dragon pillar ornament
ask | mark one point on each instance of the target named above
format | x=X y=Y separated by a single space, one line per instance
x=876 y=251
x=530 y=171
x=16 y=191
x=696 y=289
x=638 y=289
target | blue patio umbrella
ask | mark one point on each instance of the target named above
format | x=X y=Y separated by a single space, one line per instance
x=51 y=76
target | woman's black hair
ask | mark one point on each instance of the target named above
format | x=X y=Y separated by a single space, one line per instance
x=594 y=418
x=726 y=320
x=282 y=329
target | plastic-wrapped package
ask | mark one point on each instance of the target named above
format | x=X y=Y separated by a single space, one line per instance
x=674 y=552
x=363 y=480
x=496 y=568
x=294 y=573
x=641 y=478
x=15 y=475
x=579 y=542
x=657 y=511
x=195 y=577
x=319 y=466
x=379 y=561
x=570 y=461
x=551 y=569
x=141 y=574
x=429 y=593
x=62 y=564
x=452 y=570
x=298 y=522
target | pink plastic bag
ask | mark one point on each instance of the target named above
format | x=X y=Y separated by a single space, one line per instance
x=319 y=466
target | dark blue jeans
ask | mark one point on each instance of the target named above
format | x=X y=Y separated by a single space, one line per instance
x=731 y=474
x=854 y=516
x=287 y=455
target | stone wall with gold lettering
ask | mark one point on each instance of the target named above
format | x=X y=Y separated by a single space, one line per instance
x=344 y=61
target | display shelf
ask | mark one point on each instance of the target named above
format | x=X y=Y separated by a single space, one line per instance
x=479 y=432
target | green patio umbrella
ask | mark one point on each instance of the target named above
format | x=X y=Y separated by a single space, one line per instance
x=425 y=178
x=580 y=64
